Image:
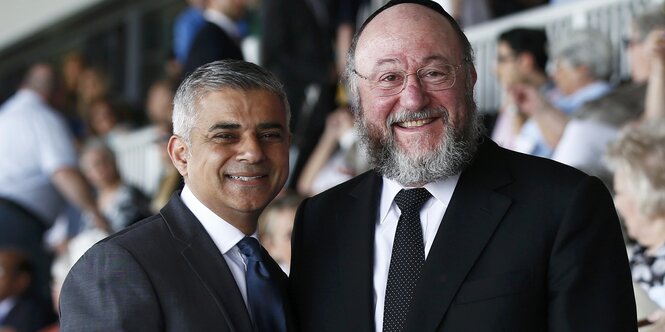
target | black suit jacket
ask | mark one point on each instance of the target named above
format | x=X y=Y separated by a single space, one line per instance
x=29 y=314
x=211 y=44
x=162 y=274
x=526 y=244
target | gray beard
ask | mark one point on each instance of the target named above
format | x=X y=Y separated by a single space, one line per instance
x=454 y=152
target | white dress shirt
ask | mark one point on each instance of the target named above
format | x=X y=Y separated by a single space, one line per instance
x=34 y=144
x=431 y=215
x=225 y=237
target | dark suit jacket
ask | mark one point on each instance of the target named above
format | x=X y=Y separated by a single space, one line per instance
x=526 y=244
x=162 y=274
x=29 y=315
x=211 y=44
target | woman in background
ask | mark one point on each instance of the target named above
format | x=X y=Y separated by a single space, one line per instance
x=637 y=158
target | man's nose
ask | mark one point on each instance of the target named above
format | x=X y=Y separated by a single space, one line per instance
x=414 y=96
x=250 y=150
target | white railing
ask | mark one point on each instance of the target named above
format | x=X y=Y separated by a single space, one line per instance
x=139 y=158
x=609 y=16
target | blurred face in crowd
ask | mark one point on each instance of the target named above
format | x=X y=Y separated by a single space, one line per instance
x=92 y=85
x=71 y=71
x=416 y=135
x=625 y=199
x=234 y=9
x=99 y=168
x=159 y=104
x=237 y=160
x=12 y=281
x=277 y=239
x=507 y=70
x=102 y=118
x=569 y=78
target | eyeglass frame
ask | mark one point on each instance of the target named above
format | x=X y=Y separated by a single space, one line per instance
x=406 y=75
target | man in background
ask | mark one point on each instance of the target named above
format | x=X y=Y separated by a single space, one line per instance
x=38 y=171
x=219 y=37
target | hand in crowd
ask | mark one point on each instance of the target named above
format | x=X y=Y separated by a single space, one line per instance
x=100 y=222
x=338 y=123
x=528 y=99
x=658 y=319
x=655 y=45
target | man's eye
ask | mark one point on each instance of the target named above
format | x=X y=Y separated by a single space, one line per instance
x=224 y=136
x=434 y=74
x=271 y=136
x=390 y=77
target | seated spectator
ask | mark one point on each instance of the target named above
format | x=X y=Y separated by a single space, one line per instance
x=20 y=310
x=638 y=160
x=159 y=103
x=105 y=121
x=275 y=226
x=647 y=44
x=597 y=122
x=159 y=108
x=582 y=67
x=38 y=171
x=93 y=84
x=336 y=157
x=521 y=59
x=121 y=204
x=187 y=24
x=170 y=179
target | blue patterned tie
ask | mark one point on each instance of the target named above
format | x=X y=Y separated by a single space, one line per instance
x=263 y=293
x=407 y=258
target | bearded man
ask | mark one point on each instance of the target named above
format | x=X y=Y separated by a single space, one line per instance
x=450 y=232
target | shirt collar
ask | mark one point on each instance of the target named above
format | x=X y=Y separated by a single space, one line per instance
x=572 y=102
x=442 y=190
x=224 y=235
x=222 y=21
x=6 y=306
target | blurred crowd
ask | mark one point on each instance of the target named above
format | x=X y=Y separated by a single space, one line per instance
x=63 y=132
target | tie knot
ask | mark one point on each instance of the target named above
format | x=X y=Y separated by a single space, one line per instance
x=251 y=248
x=412 y=199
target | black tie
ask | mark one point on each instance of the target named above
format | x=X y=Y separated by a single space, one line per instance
x=263 y=293
x=407 y=260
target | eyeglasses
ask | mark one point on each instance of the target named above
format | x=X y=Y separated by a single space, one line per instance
x=432 y=77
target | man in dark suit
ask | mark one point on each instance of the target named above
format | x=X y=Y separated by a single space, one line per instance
x=219 y=37
x=449 y=232
x=197 y=266
x=20 y=309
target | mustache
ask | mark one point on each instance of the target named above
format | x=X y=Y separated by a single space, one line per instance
x=424 y=113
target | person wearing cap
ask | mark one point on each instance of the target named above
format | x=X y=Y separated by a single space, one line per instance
x=450 y=232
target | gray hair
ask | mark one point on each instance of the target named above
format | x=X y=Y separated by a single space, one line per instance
x=648 y=21
x=589 y=48
x=640 y=152
x=352 y=81
x=215 y=76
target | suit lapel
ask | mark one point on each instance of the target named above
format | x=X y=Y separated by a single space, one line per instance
x=207 y=263
x=355 y=231
x=473 y=214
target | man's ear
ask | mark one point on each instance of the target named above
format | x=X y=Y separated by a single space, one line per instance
x=179 y=152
